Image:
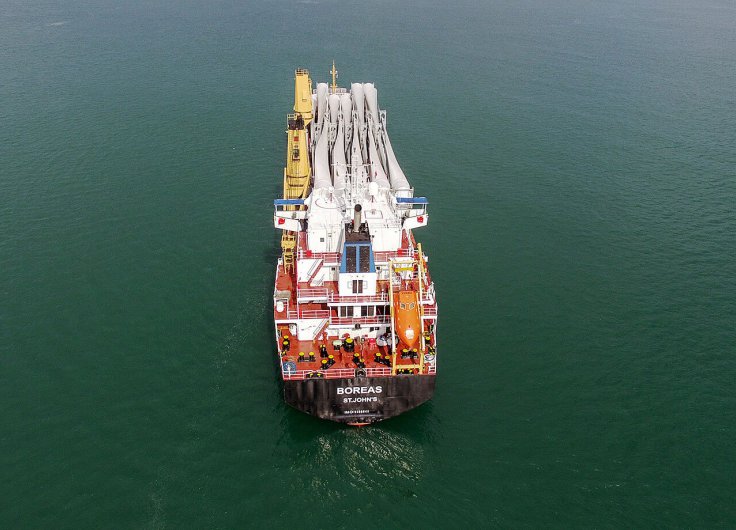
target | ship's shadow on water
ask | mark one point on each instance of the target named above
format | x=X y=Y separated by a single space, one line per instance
x=271 y=256
x=398 y=451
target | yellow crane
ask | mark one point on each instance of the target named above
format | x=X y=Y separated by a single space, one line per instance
x=297 y=173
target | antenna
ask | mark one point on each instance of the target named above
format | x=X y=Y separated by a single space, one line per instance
x=334 y=76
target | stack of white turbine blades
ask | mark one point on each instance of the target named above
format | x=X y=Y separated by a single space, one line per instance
x=339 y=169
x=322 y=164
x=399 y=182
x=334 y=109
x=356 y=89
x=378 y=174
x=346 y=105
x=356 y=136
x=312 y=124
x=356 y=155
x=322 y=179
x=322 y=91
x=371 y=99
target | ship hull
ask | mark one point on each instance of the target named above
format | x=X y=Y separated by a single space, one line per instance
x=359 y=400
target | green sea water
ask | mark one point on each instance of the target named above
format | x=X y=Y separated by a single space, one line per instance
x=580 y=161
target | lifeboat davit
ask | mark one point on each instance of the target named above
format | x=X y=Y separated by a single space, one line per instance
x=406 y=313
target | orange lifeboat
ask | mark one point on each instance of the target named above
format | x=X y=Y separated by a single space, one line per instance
x=406 y=313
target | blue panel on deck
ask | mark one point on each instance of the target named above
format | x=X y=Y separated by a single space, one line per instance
x=288 y=202
x=360 y=250
x=411 y=200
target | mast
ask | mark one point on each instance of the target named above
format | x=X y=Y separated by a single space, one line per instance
x=334 y=77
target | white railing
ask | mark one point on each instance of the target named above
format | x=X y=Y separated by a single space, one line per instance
x=430 y=311
x=316 y=293
x=384 y=256
x=349 y=321
x=333 y=258
x=335 y=298
x=330 y=258
x=311 y=293
x=330 y=373
x=378 y=372
x=314 y=313
x=336 y=373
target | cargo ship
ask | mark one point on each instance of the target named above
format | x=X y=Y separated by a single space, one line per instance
x=354 y=304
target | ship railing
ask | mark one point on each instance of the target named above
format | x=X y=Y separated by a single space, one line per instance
x=399 y=280
x=330 y=373
x=378 y=372
x=429 y=295
x=432 y=369
x=338 y=373
x=309 y=313
x=286 y=311
x=329 y=258
x=333 y=258
x=335 y=298
x=349 y=321
x=311 y=293
x=430 y=311
x=385 y=256
x=428 y=300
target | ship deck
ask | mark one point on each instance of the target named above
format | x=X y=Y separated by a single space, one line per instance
x=344 y=360
x=304 y=300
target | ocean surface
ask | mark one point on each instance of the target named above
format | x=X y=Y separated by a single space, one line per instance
x=580 y=161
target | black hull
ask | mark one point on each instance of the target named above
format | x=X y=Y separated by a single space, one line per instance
x=359 y=400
